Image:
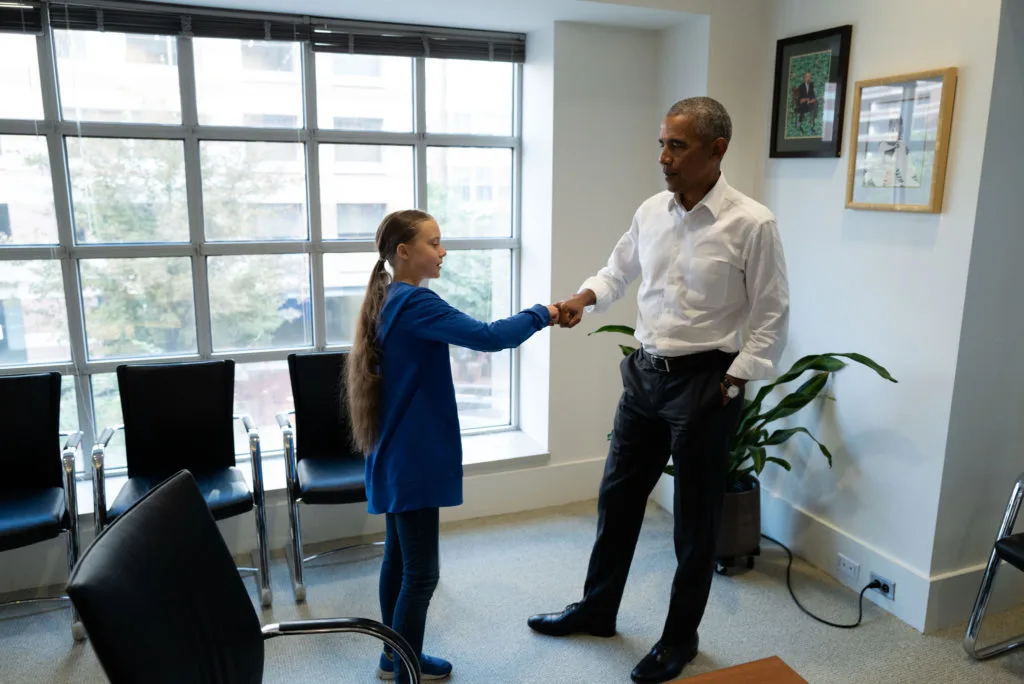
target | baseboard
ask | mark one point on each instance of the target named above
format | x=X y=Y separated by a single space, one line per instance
x=953 y=594
x=926 y=602
x=485 y=494
x=818 y=542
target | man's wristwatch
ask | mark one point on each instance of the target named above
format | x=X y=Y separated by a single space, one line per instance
x=732 y=391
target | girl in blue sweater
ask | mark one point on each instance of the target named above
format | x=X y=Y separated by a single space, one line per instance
x=404 y=418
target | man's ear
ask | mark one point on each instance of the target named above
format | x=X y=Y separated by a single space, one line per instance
x=719 y=147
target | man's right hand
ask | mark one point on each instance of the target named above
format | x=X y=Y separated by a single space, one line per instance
x=571 y=310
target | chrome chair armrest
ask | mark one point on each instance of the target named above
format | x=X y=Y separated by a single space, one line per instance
x=99 y=492
x=288 y=438
x=74 y=438
x=365 y=626
x=67 y=458
x=1013 y=506
x=255 y=454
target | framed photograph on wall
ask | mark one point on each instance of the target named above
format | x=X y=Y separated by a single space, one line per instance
x=900 y=142
x=809 y=97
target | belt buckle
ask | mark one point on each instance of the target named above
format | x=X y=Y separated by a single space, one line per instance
x=656 y=360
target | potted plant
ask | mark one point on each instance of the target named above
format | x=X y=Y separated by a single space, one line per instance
x=739 y=536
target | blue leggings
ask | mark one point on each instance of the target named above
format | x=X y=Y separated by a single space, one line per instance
x=408 y=575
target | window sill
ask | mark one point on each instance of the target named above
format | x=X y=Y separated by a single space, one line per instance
x=482 y=454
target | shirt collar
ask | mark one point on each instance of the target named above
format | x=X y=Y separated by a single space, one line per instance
x=713 y=200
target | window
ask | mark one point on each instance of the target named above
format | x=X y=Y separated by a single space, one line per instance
x=353 y=123
x=385 y=95
x=360 y=219
x=271 y=152
x=357 y=65
x=263 y=56
x=101 y=80
x=163 y=256
x=227 y=88
x=358 y=153
x=19 y=75
x=151 y=49
x=388 y=184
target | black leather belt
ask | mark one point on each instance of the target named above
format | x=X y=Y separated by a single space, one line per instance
x=688 y=362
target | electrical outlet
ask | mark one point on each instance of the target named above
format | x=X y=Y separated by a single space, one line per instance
x=848 y=568
x=888 y=588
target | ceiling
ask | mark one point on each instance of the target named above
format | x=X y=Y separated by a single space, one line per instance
x=498 y=15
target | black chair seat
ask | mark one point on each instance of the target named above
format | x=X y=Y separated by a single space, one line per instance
x=29 y=518
x=226 y=493
x=1011 y=550
x=330 y=480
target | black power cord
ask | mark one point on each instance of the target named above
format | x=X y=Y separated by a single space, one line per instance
x=875 y=584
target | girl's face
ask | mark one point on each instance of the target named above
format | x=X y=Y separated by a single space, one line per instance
x=422 y=256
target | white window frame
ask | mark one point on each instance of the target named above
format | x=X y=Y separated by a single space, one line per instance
x=81 y=368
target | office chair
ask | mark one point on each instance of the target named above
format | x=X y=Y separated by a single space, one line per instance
x=322 y=466
x=37 y=490
x=162 y=602
x=179 y=416
x=1009 y=547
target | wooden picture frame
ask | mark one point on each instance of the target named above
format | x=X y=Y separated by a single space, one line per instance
x=899 y=145
x=809 y=99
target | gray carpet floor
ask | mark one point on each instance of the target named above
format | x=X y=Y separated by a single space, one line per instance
x=496 y=572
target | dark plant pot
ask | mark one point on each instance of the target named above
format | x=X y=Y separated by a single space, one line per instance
x=739 y=535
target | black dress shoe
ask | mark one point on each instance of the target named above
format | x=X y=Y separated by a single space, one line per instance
x=573 y=620
x=664 y=662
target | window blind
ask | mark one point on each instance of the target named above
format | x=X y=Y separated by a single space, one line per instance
x=326 y=34
x=21 y=17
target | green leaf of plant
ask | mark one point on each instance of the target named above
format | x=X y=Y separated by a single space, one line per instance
x=622 y=329
x=870 y=363
x=626 y=350
x=792 y=403
x=779 y=461
x=782 y=436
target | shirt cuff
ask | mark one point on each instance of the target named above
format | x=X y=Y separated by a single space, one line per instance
x=602 y=292
x=746 y=366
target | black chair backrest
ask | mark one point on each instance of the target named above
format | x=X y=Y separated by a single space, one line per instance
x=321 y=409
x=161 y=598
x=30 y=425
x=178 y=416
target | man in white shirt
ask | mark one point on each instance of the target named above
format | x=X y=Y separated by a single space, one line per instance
x=711 y=264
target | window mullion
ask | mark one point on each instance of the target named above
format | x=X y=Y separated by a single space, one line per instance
x=313 y=185
x=194 y=197
x=420 y=115
x=65 y=235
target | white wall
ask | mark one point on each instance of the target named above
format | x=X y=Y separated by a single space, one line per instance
x=606 y=119
x=684 y=51
x=889 y=285
x=984 y=453
x=735 y=54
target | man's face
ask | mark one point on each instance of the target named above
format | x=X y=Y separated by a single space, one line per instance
x=807 y=77
x=687 y=160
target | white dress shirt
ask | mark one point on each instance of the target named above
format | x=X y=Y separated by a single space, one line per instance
x=706 y=274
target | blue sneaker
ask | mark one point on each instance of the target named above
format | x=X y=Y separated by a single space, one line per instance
x=431 y=667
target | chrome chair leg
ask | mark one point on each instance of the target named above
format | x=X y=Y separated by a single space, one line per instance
x=970 y=642
x=295 y=559
x=260 y=509
x=73 y=541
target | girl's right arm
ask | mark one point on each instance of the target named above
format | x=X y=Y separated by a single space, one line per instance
x=432 y=318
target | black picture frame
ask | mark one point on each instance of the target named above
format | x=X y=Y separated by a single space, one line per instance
x=808 y=121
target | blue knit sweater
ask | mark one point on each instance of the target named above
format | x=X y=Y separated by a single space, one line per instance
x=417 y=462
